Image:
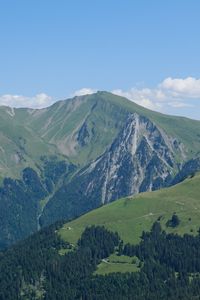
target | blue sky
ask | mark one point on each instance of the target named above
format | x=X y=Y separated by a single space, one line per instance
x=147 y=50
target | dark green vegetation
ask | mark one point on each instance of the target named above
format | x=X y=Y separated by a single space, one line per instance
x=34 y=269
x=173 y=222
x=18 y=207
x=60 y=162
x=22 y=201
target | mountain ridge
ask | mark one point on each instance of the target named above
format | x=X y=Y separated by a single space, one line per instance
x=87 y=151
x=50 y=134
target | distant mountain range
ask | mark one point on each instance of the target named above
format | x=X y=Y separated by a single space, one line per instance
x=78 y=154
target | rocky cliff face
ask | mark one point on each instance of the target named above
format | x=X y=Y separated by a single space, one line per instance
x=141 y=158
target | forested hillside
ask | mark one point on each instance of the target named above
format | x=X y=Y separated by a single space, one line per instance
x=45 y=267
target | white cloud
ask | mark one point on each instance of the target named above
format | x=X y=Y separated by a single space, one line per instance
x=178 y=87
x=37 y=101
x=84 y=91
x=142 y=97
x=171 y=93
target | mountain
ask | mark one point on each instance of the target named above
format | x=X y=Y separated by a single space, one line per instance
x=80 y=129
x=62 y=161
x=151 y=240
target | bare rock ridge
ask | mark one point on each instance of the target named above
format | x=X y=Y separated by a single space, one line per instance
x=140 y=154
x=141 y=158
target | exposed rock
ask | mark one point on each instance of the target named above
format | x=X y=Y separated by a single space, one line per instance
x=141 y=158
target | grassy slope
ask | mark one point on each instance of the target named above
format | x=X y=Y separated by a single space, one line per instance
x=130 y=216
x=117 y=263
x=17 y=138
x=59 y=124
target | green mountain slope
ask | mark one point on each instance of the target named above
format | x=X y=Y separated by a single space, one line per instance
x=102 y=115
x=112 y=148
x=131 y=215
x=79 y=129
x=20 y=145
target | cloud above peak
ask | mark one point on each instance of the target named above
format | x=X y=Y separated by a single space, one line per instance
x=144 y=97
x=84 y=91
x=172 y=94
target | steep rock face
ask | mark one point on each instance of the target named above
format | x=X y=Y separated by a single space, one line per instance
x=141 y=158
